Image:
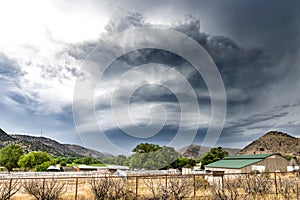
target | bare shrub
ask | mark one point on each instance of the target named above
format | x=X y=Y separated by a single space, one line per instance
x=8 y=188
x=254 y=185
x=287 y=187
x=180 y=187
x=228 y=191
x=158 y=188
x=201 y=183
x=175 y=187
x=43 y=189
x=110 y=188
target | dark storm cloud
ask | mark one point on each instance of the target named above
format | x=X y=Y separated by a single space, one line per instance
x=66 y=116
x=258 y=123
x=257 y=118
x=153 y=93
x=271 y=22
x=250 y=60
x=241 y=67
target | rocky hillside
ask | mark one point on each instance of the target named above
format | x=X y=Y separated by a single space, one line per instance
x=32 y=143
x=4 y=136
x=193 y=151
x=274 y=142
x=84 y=151
x=46 y=144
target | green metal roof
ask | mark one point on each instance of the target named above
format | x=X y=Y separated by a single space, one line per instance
x=233 y=164
x=238 y=161
x=248 y=156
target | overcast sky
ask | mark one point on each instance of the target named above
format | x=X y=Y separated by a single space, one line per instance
x=44 y=46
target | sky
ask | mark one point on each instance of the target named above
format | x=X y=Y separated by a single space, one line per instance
x=56 y=81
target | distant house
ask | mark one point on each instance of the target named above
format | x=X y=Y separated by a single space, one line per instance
x=53 y=168
x=248 y=163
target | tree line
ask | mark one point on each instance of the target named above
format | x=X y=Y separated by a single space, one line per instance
x=12 y=156
x=144 y=156
x=151 y=156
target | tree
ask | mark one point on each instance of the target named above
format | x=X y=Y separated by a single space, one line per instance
x=33 y=159
x=182 y=162
x=214 y=155
x=87 y=160
x=10 y=155
x=150 y=158
x=146 y=148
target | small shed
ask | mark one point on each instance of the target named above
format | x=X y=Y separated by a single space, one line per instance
x=250 y=162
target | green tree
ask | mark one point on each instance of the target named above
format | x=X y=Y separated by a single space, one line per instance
x=214 y=155
x=146 y=148
x=35 y=158
x=10 y=155
x=120 y=160
x=87 y=160
x=182 y=162
x=43 y=166
x=153 y=159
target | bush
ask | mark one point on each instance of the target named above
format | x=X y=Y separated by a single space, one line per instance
x=110 y=188
x=44 y=190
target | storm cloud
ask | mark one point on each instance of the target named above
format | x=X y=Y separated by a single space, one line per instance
x=254 y=44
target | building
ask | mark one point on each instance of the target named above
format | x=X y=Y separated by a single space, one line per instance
x=54 y=168
x=248 y=163
x=111 y=168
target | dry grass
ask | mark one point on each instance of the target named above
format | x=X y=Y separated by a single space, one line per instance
x=181 y=187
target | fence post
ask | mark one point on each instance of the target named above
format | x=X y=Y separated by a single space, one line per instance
x=275 y=181
x=166 y=182
x=297 y=190
x=194 y=185
x=44 y=182
x=10 y=187
x=76 y=188
x=136 y=186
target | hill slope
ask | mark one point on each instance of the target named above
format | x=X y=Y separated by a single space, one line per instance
x=42 y=142
x=193 y=151
x=32 y=143
x=274 y=142
x=84 y=151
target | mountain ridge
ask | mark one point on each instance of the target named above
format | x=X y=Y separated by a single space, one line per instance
x=274 y=142
x=195 y=151
x=35 y=143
